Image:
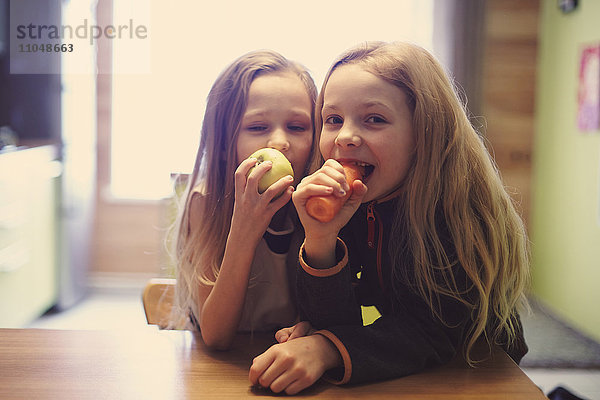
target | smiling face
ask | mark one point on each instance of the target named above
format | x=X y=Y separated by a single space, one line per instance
x=278 y=115
x=367 y=120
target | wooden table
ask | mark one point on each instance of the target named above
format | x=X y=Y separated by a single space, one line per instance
x=149 y=364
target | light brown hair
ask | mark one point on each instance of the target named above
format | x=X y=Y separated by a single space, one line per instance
x=455 y=210
x=199 y=249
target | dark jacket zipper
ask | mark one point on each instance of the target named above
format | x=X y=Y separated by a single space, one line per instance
x=372 y=218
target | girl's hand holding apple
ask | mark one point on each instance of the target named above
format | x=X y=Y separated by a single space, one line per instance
x=253 y=209
x=281 y=167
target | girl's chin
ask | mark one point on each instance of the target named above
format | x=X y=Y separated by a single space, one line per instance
x=374 y=193
x=369 y=197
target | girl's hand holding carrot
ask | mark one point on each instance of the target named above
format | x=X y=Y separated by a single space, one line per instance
x=330 y=182
x=325 y=208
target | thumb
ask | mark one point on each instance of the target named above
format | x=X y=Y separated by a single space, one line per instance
x=359 y=190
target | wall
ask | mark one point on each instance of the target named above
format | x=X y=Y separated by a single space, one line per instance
x=508 y=92
x=565 y=219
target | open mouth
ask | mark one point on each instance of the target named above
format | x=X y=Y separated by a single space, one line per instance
x=365 y=169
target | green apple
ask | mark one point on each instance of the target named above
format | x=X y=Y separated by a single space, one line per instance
x=281 y=167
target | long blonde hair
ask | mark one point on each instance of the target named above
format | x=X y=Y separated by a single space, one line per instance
x=199 y=250
x=452 y=193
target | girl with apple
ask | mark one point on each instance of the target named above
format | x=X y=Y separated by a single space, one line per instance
x=238 y=235
x=429 y=235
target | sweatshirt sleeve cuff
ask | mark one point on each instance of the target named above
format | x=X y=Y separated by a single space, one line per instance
x=345 y=358
x=341 y=252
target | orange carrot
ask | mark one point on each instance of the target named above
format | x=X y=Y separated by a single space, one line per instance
x=324 y=208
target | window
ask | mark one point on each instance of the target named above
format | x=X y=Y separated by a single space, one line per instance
x=157 y=114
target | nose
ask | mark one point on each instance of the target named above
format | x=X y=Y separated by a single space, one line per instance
x=348 y=136
x=278 y=140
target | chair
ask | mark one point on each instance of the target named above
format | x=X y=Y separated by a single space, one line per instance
x=157 y=298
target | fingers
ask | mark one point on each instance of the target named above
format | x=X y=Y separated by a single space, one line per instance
x=241 y=174
x=311 y=189
x=279 y=374
x=359 y=190
x=247 y=178
x=282 y=374
x=294 y=365
x=291 y=383
x=321 y=183
x=282 y=335
x=280 y=187
x=268 y=366
x=300 y=329
x=332 y=175
x=330 y=162
x=255 y=175
x=298 y=385
x=259 y=365
x=281 y=377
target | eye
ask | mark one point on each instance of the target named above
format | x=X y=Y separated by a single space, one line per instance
x=334 y=120
x=297 y=127
x=376 y=119
x=257 y=128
